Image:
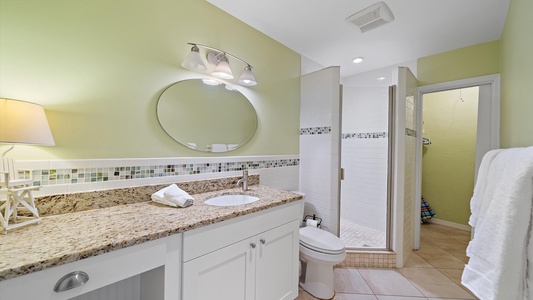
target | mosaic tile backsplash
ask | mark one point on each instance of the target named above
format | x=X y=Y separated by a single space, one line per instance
x=315 y=130
x=358 y=135
x=410 y=132
x=366 y=135
x=85 y=175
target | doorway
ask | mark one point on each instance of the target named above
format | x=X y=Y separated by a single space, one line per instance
x=449 y=152
x=487 y=131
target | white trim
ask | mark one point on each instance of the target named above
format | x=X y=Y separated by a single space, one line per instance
x=450 y=224
x=492 y=112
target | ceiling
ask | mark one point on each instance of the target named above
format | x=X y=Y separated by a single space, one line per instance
x=317 y=29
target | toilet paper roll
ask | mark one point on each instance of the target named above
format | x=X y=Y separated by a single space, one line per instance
x=311 y=222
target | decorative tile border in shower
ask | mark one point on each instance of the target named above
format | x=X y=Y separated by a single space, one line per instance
x=410 y=132
x=315 y=130
x=369 y=260
x=366 y=135
x=46 y=177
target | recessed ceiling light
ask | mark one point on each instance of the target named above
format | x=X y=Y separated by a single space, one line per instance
x=357 y=60
x=381 y=78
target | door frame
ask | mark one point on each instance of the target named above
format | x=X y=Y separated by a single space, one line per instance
x=488 y=129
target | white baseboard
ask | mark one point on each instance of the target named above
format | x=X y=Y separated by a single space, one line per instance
x=450 y=224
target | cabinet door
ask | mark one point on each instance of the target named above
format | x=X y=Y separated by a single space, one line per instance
x=227 y=273
x=277 y=263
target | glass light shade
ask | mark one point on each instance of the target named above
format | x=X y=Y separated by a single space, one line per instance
x=24 y=123
x=223 y=70
x=247 y=77
x=194 y=61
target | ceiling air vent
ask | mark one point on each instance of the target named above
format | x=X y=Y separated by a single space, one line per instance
x=371 y=17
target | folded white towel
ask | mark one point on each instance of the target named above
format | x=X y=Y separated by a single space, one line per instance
x=172 y=195
x=498 y=251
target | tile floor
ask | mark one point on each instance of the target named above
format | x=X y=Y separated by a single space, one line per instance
x=433 y=272
x=354 y=235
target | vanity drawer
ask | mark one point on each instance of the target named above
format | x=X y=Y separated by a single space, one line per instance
x=209 y=238
x=102 y=270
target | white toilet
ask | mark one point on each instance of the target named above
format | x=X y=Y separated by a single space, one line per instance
x=320 y=250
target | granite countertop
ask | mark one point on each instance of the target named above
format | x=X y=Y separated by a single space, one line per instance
x=66 y=238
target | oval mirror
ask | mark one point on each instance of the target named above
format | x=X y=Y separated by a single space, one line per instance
x=206 y=117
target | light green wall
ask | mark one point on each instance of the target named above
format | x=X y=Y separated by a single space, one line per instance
x=98 y=68
x=474 y=61
x=516 y=76
x=448 y=163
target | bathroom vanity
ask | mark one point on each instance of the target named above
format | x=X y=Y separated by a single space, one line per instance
x=200 y=252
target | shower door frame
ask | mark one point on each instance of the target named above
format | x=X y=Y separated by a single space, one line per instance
x=390 y=169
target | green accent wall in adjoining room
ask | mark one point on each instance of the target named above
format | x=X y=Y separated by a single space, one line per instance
x=450 y=122
x=98 y=68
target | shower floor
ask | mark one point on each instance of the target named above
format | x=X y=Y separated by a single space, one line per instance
x=358 y=236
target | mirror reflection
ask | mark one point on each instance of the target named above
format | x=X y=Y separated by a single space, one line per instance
x=206 y=117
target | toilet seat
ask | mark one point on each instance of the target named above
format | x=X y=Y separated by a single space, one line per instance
x=320 y=241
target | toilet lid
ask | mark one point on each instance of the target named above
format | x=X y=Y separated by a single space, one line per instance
x=320 y=240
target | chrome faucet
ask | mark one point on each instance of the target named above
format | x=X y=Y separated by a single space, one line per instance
x=244 y=180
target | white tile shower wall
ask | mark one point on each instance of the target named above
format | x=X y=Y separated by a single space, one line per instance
x=365 y=109
x=319 y=145
x=315 y=175
x=71 y=176
x=364 y=188
x=410 y=203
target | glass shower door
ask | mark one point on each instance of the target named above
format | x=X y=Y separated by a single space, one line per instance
x=365 y=162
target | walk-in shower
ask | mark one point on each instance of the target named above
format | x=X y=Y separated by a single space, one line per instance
x=348 y=132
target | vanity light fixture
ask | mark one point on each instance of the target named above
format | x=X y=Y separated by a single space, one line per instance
x=193 y=61
x=247 y=77
x=223 y=70
x=219 y=60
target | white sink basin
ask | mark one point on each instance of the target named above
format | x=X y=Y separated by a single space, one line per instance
x=231 y=200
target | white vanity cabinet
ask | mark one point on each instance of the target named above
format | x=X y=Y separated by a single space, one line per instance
x=106 y=269
x=250 y=257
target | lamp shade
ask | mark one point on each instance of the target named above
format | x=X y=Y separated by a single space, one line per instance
x=223 y=70
x=193 y=61
x=24 y=123
x=247 y=77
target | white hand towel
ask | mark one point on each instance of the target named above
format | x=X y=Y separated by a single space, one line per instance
x=498 y=251
x=173 y=196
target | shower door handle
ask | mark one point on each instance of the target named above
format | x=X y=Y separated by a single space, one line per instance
x=342 y=173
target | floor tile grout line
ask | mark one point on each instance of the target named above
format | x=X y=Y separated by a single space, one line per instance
x=459 y=285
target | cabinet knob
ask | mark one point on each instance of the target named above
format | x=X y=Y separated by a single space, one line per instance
x=263 y=241
x=70 y=281
x=252 y=245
